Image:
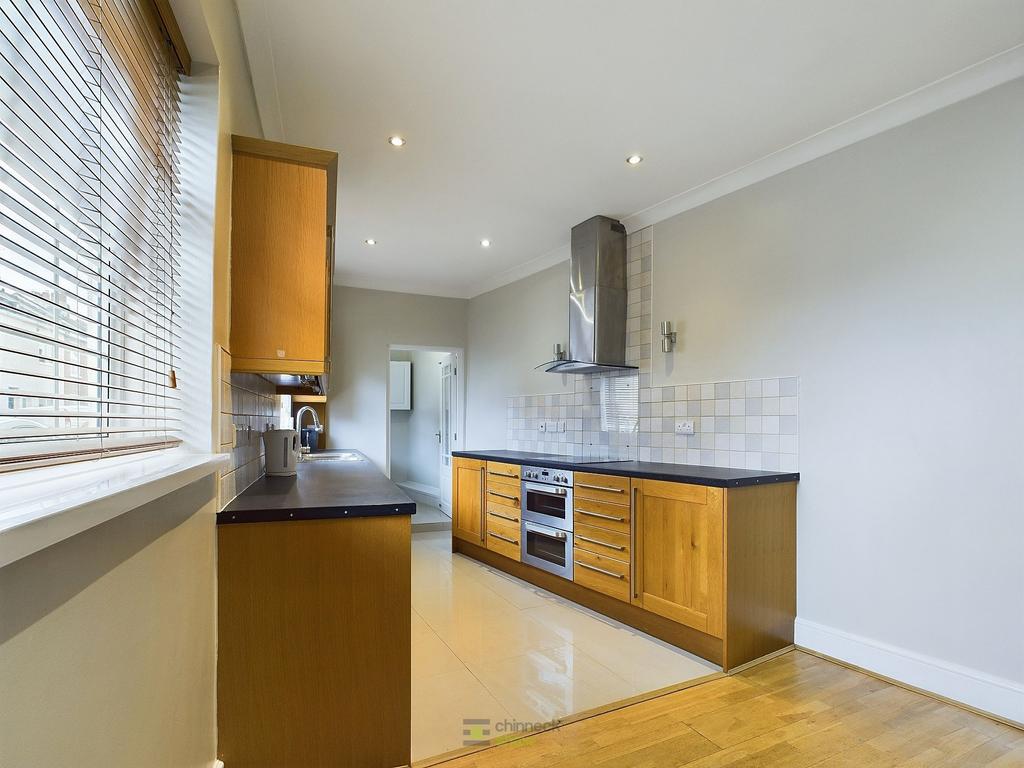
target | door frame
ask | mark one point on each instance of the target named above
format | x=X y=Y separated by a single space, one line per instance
x=460 y=394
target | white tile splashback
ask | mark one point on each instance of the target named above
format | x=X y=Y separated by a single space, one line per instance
x=247 y=408
x=747 y=424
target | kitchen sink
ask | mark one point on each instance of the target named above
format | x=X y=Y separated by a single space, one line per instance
x=341 y=456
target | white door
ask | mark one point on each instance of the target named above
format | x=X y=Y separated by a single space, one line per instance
x=447 y=429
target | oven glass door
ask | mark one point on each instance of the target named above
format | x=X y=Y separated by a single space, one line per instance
x=547 y=505
x=547 y=548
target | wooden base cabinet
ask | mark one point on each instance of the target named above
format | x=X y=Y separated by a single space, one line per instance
x=602 y=545
x=502 y=525
x=711 y=570
x=314 y=643
x=679 y=544
x=468 y=500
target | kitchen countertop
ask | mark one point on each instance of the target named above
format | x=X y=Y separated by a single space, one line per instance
x=321 y=490
x=719 y=477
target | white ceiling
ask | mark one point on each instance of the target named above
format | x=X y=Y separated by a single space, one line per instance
x=519 y=114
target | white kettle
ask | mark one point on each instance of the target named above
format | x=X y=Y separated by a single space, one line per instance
x=282 y=451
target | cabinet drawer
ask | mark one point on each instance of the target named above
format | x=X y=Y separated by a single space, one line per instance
x=601 y=487
x=503 y=493
x=601 y=514
x=500 y=513
x=503 y=472
x=602 y=574
x=503 y=537
x=600 y=541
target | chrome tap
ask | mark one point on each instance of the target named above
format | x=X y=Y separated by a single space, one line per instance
x=298 y=424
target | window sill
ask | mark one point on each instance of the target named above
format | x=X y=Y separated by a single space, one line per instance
x=39 y=507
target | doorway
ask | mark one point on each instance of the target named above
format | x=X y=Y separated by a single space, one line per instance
x=424 y=427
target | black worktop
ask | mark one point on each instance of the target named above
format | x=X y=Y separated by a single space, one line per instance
x=320 y=491
x=719 y=477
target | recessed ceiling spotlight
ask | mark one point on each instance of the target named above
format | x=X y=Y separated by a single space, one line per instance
x=634 y=159
x=370 y=241
x=485 y=243
x=396 y=141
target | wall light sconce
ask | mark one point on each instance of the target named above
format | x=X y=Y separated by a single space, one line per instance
x=668 y=336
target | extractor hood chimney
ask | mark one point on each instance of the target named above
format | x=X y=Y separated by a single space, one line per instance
x=597 y=299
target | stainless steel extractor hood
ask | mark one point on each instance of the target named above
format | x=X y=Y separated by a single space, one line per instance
x=597 y=299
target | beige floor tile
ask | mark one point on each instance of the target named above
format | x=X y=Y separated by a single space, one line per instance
x=487 y=645
x=575 y=623
x=644 y=661
x=440 y=704
x=419 y=625
x=519 y=593
x=548 y=684
x=430 y=656
x=462 y=603
x=495 y=636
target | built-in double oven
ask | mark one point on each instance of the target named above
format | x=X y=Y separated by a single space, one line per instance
x=546 y=540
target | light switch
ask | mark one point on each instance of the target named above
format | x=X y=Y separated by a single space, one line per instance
x=684 y=427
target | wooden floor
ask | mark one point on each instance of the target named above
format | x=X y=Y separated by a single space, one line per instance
x=795 y=711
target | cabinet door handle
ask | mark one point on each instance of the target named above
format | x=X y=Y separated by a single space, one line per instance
x=504 y=517
x=599 y=570
x=601 y=543
x=599 y=488
x=503 y=474
x=504 y=496
x=503 y=538
x=632 y=542
x=603 y=517
x=483 y=506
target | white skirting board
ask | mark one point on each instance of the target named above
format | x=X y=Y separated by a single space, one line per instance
x=982 y=691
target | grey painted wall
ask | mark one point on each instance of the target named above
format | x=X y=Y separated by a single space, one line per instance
x=511 y=331
x=108 y=642
x=364 y=324
x=889 y=277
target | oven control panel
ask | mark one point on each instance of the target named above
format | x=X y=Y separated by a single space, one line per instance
x=561 y=477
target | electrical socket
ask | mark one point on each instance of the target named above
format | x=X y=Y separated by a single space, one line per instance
x=561 y=426
x=684 y=427
x=543 y=426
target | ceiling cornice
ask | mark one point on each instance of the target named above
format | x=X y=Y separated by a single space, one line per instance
x=518 y=272
x=970 y=81
x=392 y=286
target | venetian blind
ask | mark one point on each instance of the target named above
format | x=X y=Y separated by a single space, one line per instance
x=88 y=242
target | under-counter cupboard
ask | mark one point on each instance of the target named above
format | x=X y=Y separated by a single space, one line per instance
x=708 y=564
x=282 y=253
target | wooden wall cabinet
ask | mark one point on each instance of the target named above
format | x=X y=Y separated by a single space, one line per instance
x=282 y=256
x=468 y=500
